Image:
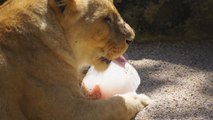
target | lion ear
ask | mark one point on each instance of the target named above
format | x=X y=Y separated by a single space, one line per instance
x=61 y=5
x=58 y=5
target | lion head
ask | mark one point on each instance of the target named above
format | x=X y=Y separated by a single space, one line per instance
x=94 y=29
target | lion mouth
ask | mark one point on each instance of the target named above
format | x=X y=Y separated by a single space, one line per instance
x=121 y=60
x=105 y=60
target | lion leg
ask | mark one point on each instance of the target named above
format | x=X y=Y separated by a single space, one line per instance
x=120 y=107
x=10 y=111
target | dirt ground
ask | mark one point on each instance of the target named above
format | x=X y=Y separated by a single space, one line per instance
x=178 y=76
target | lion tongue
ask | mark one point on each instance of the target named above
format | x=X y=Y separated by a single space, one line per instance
x=120 y=61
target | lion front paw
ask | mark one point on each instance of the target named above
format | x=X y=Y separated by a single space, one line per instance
x=135 y=102
x=145 y=100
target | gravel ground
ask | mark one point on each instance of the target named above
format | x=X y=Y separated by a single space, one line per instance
x=178 y=76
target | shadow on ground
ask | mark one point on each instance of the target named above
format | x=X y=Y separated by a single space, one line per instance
x=178 y=76
x=197 y=54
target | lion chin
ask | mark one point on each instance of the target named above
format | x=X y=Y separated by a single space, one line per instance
x=43 y=46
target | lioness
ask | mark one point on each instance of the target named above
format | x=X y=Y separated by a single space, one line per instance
x=43 y=46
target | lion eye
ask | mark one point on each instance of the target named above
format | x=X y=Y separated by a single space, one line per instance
x=108 y=19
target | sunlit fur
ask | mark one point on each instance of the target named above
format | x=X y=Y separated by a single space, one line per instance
x=42 y=50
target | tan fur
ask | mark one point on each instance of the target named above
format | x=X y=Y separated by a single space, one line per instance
x=42 y=50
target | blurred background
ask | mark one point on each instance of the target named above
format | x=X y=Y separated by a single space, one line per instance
x=1 y=1
x=169 y=19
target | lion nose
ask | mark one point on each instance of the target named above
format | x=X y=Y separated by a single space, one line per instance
x=126 y=31
x=129 y=34
x=129 y=41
